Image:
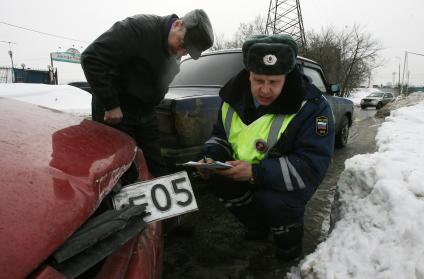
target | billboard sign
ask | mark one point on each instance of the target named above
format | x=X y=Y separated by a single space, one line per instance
x=72 y=55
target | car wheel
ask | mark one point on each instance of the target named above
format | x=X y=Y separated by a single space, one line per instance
x=379 y=105
x=363 y=107
x=343 y=135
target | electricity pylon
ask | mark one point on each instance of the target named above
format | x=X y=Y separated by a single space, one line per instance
x=285 y=17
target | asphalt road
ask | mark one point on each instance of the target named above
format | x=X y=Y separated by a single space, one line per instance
x=210 y=245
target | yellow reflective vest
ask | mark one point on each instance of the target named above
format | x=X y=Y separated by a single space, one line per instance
x=251 y=142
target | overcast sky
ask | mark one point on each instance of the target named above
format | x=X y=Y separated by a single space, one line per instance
x=396 y=24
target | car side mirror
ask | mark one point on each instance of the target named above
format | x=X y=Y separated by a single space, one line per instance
x=335 y=89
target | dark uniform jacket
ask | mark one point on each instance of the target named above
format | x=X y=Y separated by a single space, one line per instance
x=129 y=65
x=299 y=160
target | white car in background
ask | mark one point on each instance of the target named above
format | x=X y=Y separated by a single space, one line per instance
x=377 y=100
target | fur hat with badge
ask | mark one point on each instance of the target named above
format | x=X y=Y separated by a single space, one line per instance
x=270 y=55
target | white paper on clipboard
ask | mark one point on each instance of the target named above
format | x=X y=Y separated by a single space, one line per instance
x=215 y=165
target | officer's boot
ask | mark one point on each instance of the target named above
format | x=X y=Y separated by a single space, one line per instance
x=288 y=241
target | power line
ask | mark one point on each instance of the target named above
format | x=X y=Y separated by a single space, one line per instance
x=8 y=42
x=30 y=59
x=43 y=33
x=415 y=53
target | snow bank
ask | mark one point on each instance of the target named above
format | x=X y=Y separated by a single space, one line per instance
x=381 y=230
x=61 y=97
x=410 y=100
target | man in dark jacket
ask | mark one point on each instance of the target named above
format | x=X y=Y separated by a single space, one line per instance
x=276 y=130
x=130 y=66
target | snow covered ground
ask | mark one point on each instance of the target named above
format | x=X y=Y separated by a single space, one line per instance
x=380 y=233
x=60 y=97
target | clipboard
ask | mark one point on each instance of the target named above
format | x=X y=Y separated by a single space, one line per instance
x=217 y=165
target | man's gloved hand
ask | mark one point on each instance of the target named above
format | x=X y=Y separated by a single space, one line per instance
x=113 y=116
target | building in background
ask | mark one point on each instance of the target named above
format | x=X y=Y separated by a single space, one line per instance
x=27 y=75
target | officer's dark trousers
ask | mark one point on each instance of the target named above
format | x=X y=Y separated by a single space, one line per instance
x=142 y=126
x=262 y=209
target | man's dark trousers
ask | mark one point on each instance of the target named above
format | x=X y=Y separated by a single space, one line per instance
x=142 y=126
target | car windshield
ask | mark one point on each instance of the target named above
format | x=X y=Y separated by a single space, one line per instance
x=208 y=70
x=376 y=95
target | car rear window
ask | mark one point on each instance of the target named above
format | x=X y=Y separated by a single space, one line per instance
x=213 y=70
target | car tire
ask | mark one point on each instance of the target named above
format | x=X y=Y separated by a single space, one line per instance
x=363 y=107
x=379 y=106
x=343 y=135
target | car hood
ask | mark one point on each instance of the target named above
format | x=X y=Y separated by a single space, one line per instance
x=191 y=91
x=56 y=168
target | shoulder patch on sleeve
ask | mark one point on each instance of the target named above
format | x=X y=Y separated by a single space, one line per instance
x=321 y=125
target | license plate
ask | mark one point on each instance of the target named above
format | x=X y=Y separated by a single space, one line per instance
x=166 y=196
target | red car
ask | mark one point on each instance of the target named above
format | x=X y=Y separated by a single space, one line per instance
x=56 y=220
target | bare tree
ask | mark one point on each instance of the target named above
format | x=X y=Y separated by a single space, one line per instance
x=244 y=31
x=218 y=43
x=323 y=48
x=347 y=56
x=361 y=57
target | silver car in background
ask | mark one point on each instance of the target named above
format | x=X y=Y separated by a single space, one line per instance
x=377 y=100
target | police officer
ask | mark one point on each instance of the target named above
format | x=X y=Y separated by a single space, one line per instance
x=277 y=131
x=130 y=66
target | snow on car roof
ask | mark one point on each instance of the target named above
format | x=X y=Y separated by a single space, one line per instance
x=60 y=97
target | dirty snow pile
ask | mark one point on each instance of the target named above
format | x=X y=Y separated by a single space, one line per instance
x=380 y=231
x=60 y=97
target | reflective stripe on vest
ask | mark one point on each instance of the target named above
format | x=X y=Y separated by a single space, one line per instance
x=251 y=142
